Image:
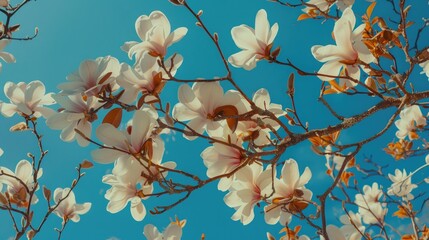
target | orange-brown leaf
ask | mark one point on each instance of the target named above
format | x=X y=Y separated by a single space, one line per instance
x=370 y=9
x=114 y=117
x=230 y=113
x=303 y=17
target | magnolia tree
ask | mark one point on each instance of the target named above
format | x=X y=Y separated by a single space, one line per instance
x=118 y=110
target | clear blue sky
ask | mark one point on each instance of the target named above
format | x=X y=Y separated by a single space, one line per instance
x=72 y=31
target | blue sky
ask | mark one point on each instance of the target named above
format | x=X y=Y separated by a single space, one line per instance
x=72 y=31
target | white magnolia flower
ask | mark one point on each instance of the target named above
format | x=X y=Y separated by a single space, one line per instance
x=76 y=113
x=68 y=209
x=411 y=118
x=401 y=185
x=129 y=187
x=249 y=187
x=352 y=228
x=172 y=232
x=125 y=145
x=222 y=159
x=7 y=57
x=27 y=100
x=91 y=76
x=370 y=207
x=290 y=194
x=155 y=33
x=18 y=192
x=201 y=106
x=334 y=233
x=260 y=133
x=145 y=77
x=343 y=57
x=255 y=43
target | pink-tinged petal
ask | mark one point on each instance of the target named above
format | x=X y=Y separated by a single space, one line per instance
x=187 y=97
x=364 y=54
x=214 y=129
x=224 y=184
x=196 y=124
x=111 y=136
x=244 y=37
x=183 y=113
x=272 y=214
x=82 y=208
x=262 y=98
x=143 y=25
x=13 y=92
x=127 y=45
x=142 y=128
x=7 y=57
x=159 y=19
x=47 y=99
x=88 y=70
x=138 y=211
x=138 y=49
x=23 y=170
x=173 y=232
x=262 y=26
x=22 y=107
x=4 y=43
x=327 y=53
x=46 y=112
x=68 y=133
x=331 y=68
x=105 y=155
x=57 y=121
x=7 y=109
x=151 y=232
x=343 y=33
x=35 y=92
x=85 y=128
x=285 y=218
x=305 y=177
x=334 y=233
x=245 y=175
x=290 y=173
x=178 y=60
x=245 y=59
x=354 y=72
x=232 y=200
x=209 y=93
x=175 y=36
x=273 y=33
x=114 y=207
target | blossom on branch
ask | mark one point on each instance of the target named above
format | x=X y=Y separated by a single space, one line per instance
x=20 y=183
x=155 y=33
x=172 y=232
x=343 y=59
x=401 y=185
x=250 y=186
x=411 y=119
x=255 y=43
x=128 y=187
x=68 y=209
x=91 y=76
x=370 y=207
x=27 y=100
x=206 y=107
x=138 y=141
x=352 y=228
x=290 y=194
x=146 y=77
x=7 y=57
x=76 y=114
x=223 y=158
